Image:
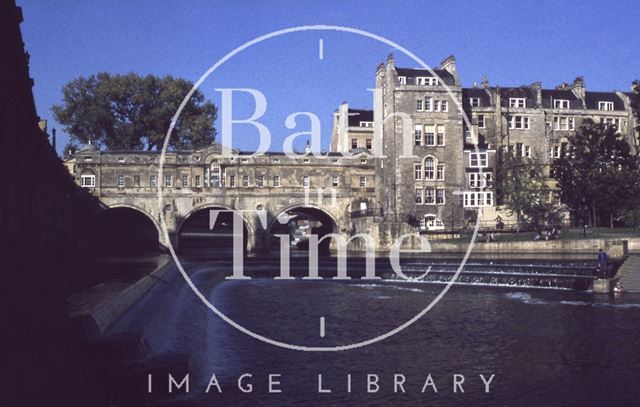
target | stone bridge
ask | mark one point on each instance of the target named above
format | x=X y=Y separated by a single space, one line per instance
x=336 y=190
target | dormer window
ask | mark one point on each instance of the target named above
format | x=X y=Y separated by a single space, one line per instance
x=366 y=124
x=120 y=159
x=560 y=104
x=474 y=102
x=427 y=81
x=605 y=105
x=403 y=80
x=516 y=102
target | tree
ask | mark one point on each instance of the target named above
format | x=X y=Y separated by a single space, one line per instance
x=525 y=191
x=131 y=112
x=597 y=173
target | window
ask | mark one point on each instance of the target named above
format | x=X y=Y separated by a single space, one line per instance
x=366 y=124
x=305 y=181
x=120 y=159
x=440 y=172
x=245 y=181
x=440 y=135
x=430 y=137
x=560 y=104
x=363 y=161
x=363 y=182
x=153 y=180
x=418 y=135
x=430 y=196
x=419 y=196
x=431 y=222
x=526 y=152
x=335 y=181
x=481 y=121
x=477 y=160
x=214 y=174
x=441 y=106
x=402 y=79
x=88 y=180
x=428 y=104
x=429 y=168
x=184 y=180
x=136 y=180
x=232 y=181
x=440 y=196
x=120 y=181
x=427 y=81
x=260 y=181
x=197 y=181
x=368 y=144
x=417 y=169
x=354 y=143
x=554 y=152
x=306 y=161
x=516 y=102
x=419 y=105
x=477 y=180
x=519 y=122
x=168 y=180
x=563 y=123
x=605 y=105
x=477 y=199
x=474 y=102
x=276 y=160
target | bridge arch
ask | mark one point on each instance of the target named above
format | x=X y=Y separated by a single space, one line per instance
x=302 y=221
x=123 y=229
x=193 y=232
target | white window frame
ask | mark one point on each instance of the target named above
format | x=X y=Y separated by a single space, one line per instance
x=232 y=181
x=153 y=180
x=168 y=181
x=276 y=181
x=418 y=140
x=419 y=105
x=305 y=181
x=517 y=102
x=524 y=122
x=474 y=102
x=245 y=181
x=335 y=181
x=363 y=181
x=88 y=180
x=560 y=103
x=478 y=199
x=440 y=135
x=402 y=80
x=417 y=171
x=605 y=105
x=430 y=171
x=481 y=121
x=419 y=196
x=197 y=181
x=430 y=130
x=444 y=196
x=440 y=172
x=260 y=181
x=481 y=159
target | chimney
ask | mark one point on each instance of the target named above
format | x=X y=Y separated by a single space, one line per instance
x=485 y=81
x=449 y=65
x=390 y=61
x=578 y=87
x=537 y=87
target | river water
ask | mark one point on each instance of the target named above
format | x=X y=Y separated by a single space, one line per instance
x=544 y=346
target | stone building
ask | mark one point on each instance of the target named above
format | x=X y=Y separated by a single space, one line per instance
x=412 y=163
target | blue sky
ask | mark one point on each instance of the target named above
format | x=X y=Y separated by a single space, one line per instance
x=512 y=43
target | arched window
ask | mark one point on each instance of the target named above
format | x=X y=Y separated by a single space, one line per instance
x=429 y=168
x=88 y=179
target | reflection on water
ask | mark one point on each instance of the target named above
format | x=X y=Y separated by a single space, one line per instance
x=546 y=347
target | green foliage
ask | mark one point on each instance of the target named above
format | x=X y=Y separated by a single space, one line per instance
x=131 y=112
x=597 y=174
x=69 y=149
x=525 y=192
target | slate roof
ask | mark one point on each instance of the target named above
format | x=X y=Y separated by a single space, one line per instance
x=592 y=99
x=479 y=93
x=359 y=115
